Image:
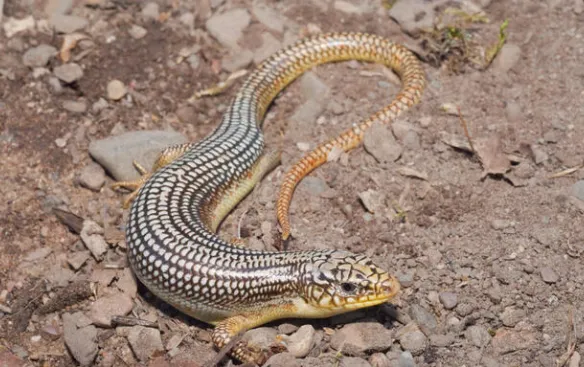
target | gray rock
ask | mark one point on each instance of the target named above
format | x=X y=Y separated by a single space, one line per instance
x=312 y=185
x=510 y=340
x=508 y=57
x=237 y=19
x=353 y=362
x=67 y=23
x=287 y=328
x=413 y=15
x=150 y=11
x=301 y=342
x=68 y=72
x=308 y=112
x=440 y=340
x=55 y=85
x=381 y=144
x=75 y=106
x=549 y=275
x=501 y=224
x=59 y=276
x=268 y=17
x=406 y=359
x=349 y=7
x=102 y=310
x=578 y=190
x=412 y=339
x=282 y=360
x=145 y=341
x=358 y=338
x=137 y=32
x=116 y=90
x=464 y=309
x=538 y=154
x=237 y=60
x=58 y=6
x=92 y=176
x=372 y=200
x=379 y=360
x=478 y=336
x=511 y=316
x=127 y=283
x=262 y=337
x=77 y=259
x=448 y=299
x=216 y=3
x=270 y=45
x=423 y=317
x=38 y=56
x=92 y=236
x=99 y=105
x=82 y=343
x=116 y=153
x=313 y=88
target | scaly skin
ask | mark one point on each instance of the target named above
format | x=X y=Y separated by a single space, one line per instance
x=173 y=247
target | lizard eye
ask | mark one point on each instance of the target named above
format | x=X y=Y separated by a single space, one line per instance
x=348 y=287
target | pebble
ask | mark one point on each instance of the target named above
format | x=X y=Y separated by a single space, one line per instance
x=348 y=8
x=92 y=236
x=38 y=56
x=354 y=362
x=75 y=106
x=500 y=224
x=145 y=342
x=13 y=26
x=237 y=60
x=308 y=112
x=116 y=90
x=508 y=57
x=137 y=32
x=477 y=335
x=127 y=283
x=116 y=153
x=549 y=275
x=282 y=360
x=464 y=309
x=313 y=88
x=301 y=342
x=270 y=45
x=406 y=359
x=379 y=360
x=441 y=340
x=412 y=339
x=448 y=299
x=538 y=154
x=314 y=186
x=381 y=144
x=238 y=20
x=513 y=111
x=413 y=15
x=82 y=343
x=68 y=72
x=262 y=337
x=361 y=337
x=575 y=359
x=99 y=105
x=335 y=107
x=578 y=190
x=92 y=176
x=268 y=17
x=510 y=340
x=77 y=259
x=287 y=329
x=151 y=11
x=423 y=317
x=372 y=200
x=102 y=310
x=511 y=316
x=63 y=23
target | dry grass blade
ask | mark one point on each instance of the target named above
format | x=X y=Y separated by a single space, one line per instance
x=566 y=172
x=465 y=129
x=564 y=358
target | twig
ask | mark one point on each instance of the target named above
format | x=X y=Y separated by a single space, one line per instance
x=133 y=321
x=566 y=171
x=465 y=128
x=571 y=347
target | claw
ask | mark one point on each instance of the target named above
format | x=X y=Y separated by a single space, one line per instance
x=134 y=185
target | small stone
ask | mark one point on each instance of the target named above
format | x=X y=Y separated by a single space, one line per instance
x=511 y=316
x=188 y=19
x=501 y=224
x=313 y=88
x=513 y=112
x=150 y=11
x=102 y=310
x=549 y=275
x=238 y=19
x=237 y=60
x=314 y=186
x=75 y=106
x=64 y=23
x=539 y=156
x=354 y=362
x=38 y=56
x=509 y=340
x=99 y=105
x=282 y=360
x=145 y=342
x=575 y=359
x=82 y=343
x=412 y=339
x=303 y=146
x=268 y=17
x=423 y=317
x=92 y=236
x=413 y=15
x=478 y=336
x=116 y=90
x=174 y=341
x=372 y=201
x=38 y=254
x=308 y=112
x=381 y=144
x=448 y=299
x=137 y=32
x=261 y=337
x=301 y=342
x=186 y=114
x=335 y=107
x=508 y=57
x=270 y=45
x=68 y=72
x=406 y=359
x=464 y=309
x=578 y=190
x=287 y=329
x=92 y=177
x=127 y=283
x=347 y=7
x=77 y=259
x=441 y=341
x=13 y=26
x=358 y=338
x=379 y=360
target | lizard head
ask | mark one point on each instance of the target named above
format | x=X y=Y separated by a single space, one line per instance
x=343 y=282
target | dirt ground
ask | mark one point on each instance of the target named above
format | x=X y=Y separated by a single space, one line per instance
x=492 y=265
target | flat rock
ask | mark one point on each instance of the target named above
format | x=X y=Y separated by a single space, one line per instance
x=145 y=341
x=412 y=339
x=63 y=23
x=127 y=283
x=81 y=342
x=137 y=32
x=349 y=7
x=508 y=57
x=308 y=112
x=549 y=275
x=38 y=56
x=422 y=316
x=312 y=185
x=413 y=15
x=358 y=338
x=381 y=144
x=270 y=45
x=301 y=342
x=116 y=153
x=77 y=259
x=68 y=72
x=92 y=176
x=7 y=359
x=105 y=308
x=268 y=17
x=406 y=359
x=238 y=20
x=237 y=60
x=441 y=340
x=508 y=340
x=354 y=362
x=511 y=316
x=478 y=336
x=282 y=360
x=92 y=236
x=372 y=200
x=379 y=360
